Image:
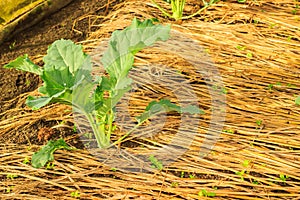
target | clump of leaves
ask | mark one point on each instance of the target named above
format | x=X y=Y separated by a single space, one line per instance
x=40 y=158
x=68 y=80
x=178 y=7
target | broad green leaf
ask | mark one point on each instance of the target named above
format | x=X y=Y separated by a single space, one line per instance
x=65 y=54
x=37 y=102
x=56 y=81
x=118 y=58
x=84 y=97
x=297 y=100
x=40 y=158
x=25 y=64
x=164 y=105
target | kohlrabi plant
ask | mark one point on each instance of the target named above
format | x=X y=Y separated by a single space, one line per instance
x=177 y=7
x=68 y=80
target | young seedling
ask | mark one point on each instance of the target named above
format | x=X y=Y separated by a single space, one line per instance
x=177 y=7
x=155 y=163
x=40 y=158
x=174 y=184
x=11 y=176
x=50 y=165
x=26 y=160
x=9 y=189
x=67 y=76
x=75 y=194
x=228 y=131
x=283 y=177
x=191 y=176
x=241 y=174
x=259 y=122
x=204 y=193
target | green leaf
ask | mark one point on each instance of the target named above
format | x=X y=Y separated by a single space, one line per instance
x=192 y=110
x=65 y=54
x=37 y=102
x=25 y=64
x=297 y=100
x=118 y=58
x=164 y=105
x=66 y=68
x=40 y=158
x=56 y=81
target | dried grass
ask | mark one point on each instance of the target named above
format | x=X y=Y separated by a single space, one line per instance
x=270 y=32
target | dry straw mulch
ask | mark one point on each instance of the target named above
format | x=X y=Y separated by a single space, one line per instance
x=256 y=47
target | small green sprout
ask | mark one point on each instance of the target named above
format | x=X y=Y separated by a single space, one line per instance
x=50 y=165
x=192 y=176
x=241 y=174
x=242 y=48
x=113 y=169
x=204 y=193
x=246 y=163
x=74 y=128
x=182 y=175
x=241 y=1
x=224 y=90
x=291 y=85
x=9 y=189
x=26 y=160
x=289 y=38
x=12 y=45
x=259 y=122
x=270 y=86
x=155 y=163
x=272 y=25
x=283 y=177
x=249 y=55
x=228 y=131
x=11 y=176
x=75 y=194
x=174 y=184
x=178 y=7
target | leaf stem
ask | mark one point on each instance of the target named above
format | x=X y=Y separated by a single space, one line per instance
x=161 y=9
x=206 y=5
x=110 y=124
x=127 y=134
x=98 y=131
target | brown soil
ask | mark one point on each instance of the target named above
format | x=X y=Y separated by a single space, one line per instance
x=71 y=22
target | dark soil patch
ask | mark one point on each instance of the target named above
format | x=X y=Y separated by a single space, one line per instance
x=35 y=41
